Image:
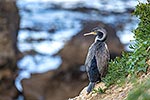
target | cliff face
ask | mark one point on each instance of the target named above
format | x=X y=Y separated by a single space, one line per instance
x=9 y=25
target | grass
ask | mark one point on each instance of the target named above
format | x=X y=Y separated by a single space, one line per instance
x=99 y=90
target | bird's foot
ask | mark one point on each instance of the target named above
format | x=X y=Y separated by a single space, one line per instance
x=90 y=87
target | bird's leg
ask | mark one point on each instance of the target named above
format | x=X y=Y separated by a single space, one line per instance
x=99 y=80
x=90 y=87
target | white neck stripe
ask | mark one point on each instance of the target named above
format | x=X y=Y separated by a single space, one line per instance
x=97 y=39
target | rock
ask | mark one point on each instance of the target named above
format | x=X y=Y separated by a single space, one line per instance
x=114 y=93
x=48 y=86
x=68 y=79
x=8 y=32
x=35 y=87
x=148 y=62
x=10 y=19
x=9 y=25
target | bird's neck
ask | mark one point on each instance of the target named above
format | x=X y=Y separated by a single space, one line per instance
x=97 y=39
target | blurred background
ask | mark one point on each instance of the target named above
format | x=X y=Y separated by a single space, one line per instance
x=42 y=47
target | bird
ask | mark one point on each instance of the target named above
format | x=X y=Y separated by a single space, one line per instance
x=97 y=59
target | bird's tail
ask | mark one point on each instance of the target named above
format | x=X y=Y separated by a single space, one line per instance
x=90 y=87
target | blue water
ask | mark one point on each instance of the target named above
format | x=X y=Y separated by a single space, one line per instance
x=46 y=25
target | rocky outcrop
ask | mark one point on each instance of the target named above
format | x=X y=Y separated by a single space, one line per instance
x=115 y=92
x=68 y=79
x=9 y=25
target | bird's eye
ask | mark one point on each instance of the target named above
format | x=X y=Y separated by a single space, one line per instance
x=100 y=34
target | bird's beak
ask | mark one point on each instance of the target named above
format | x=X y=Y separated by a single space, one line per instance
x=91 y=33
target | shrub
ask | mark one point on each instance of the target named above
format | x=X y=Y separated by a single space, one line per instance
x=133 y=62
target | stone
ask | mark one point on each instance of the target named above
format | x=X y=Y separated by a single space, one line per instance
x=9 y=25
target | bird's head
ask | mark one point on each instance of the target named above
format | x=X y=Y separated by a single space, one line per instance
x=99 y=32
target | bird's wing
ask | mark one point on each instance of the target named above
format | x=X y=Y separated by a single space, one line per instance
x=90 y=56
x=91 y=65
x=102 y=58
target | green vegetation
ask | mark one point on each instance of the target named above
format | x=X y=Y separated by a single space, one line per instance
x=99 y=90
x=134 y=62
x=140 y=92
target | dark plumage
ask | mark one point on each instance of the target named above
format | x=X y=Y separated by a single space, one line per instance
x=97 y=58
